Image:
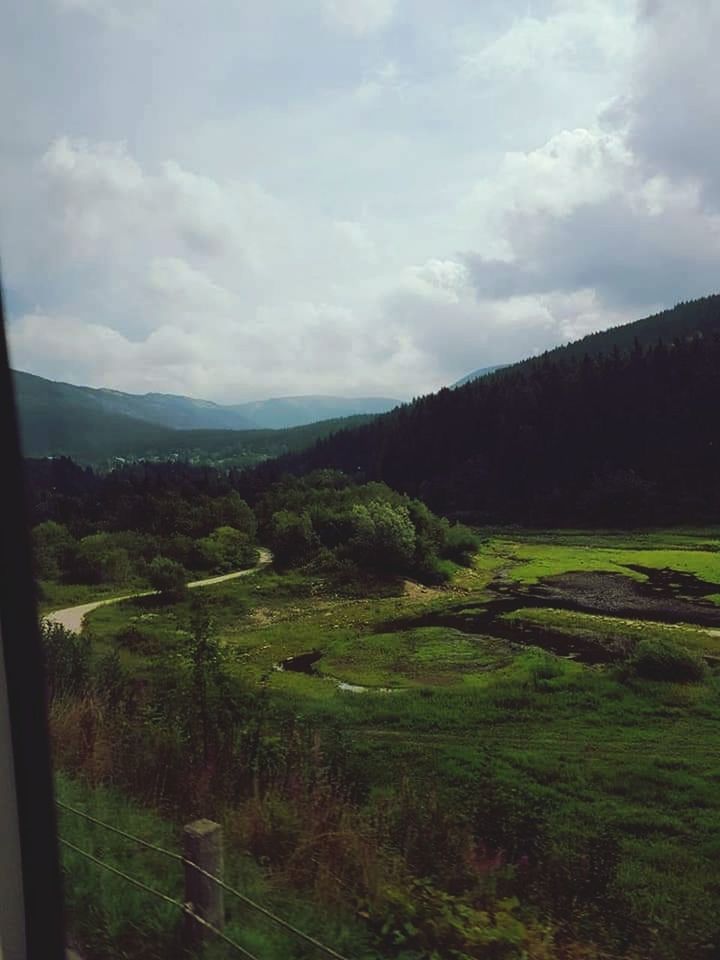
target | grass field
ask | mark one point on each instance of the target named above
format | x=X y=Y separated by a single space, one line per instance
x=605 y=783
x=104 y=908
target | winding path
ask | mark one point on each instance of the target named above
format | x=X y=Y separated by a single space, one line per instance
x=72 y=617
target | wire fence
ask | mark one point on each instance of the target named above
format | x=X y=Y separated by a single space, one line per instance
x=186 y=908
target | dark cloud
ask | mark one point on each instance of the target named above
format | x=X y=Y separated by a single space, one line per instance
x=629 y=257
x=674 y=106
x=653 y=236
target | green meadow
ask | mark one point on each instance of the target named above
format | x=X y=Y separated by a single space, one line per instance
x=435 y=779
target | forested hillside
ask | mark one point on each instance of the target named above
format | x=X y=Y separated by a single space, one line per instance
x=89 y=424
x=58 y=419
x=622 y=436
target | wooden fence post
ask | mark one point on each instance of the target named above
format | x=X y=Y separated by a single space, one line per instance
x=203 y=845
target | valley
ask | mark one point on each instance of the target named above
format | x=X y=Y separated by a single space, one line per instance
x=450 y=679
x=360 y=591
x=515 y=716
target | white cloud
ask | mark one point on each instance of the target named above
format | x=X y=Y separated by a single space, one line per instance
x=361 y=16
x=347 y=196
x=380 y=83
x=582 y=212
x=672 y=106
x=112 y=13
x=441 y=281
x=572 y=34
x=574 y=167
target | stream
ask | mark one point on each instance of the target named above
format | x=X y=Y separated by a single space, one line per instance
x=305 y=663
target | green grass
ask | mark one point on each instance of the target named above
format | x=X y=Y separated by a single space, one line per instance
x=58 y=596
x=545 y=755
x=562 y=552
x=418 y=657
x=110 y=917
x=605 y=628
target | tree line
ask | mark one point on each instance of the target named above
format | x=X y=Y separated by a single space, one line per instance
x=158 y=522
x=150 y=523
x=623 y=438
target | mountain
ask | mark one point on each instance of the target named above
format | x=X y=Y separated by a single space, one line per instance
x=186 y=413
x=59 y=419
x=280 y=412
x=620 y=427
x=169 y=410
x=476 y=374
x=685 y=320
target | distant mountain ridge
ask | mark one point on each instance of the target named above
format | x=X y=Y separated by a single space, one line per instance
x=170 y=410
x=282 y=412
x=96 y=424
x=187 y=413
x=476 y=374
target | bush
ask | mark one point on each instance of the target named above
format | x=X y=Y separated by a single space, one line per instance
x=148 y=643
x=167 y=577
x=543 y=669
x=384 y=536
x=461 y=544
x=658 y=659
x=181 y=549
x=291 y=538
x=52 y=547
x=111 y=680
x=67 y=660
x=96 y=559
x=226 y=549
x=433 y=571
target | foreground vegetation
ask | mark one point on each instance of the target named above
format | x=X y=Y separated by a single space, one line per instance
x=438 y=781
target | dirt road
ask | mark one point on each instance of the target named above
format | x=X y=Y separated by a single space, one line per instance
x=72 y=617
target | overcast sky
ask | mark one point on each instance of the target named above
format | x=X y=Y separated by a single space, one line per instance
x=237 y=199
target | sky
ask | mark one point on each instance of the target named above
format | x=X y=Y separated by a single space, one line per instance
x=237 y=199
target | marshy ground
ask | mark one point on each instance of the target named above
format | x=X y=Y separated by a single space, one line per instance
x=506 y=698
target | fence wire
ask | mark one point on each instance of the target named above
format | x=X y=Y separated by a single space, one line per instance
x=183 y=907
x=179 y=858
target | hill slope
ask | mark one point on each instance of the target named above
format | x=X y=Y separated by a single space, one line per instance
x=58 y=419
x=585 y=433
x=281 y=412
x=476 y=374
x=37 y=394
x=187 y=413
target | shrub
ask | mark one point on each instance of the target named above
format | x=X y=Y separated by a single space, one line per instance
x=111 y=680
x=543 y=669
x=461 y=544
x=96 y=559
x=660 y=659
x=167 y=577
x=291 y=537
x=434 y=571
x=67 y=660
x=226 y=549
x=52 y=547
x=384 y=536
x=131 y=638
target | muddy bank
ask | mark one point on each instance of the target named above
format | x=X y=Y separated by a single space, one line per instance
x=666 y=596
x=305 y=663
x=302 y=663
x=488 y=625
